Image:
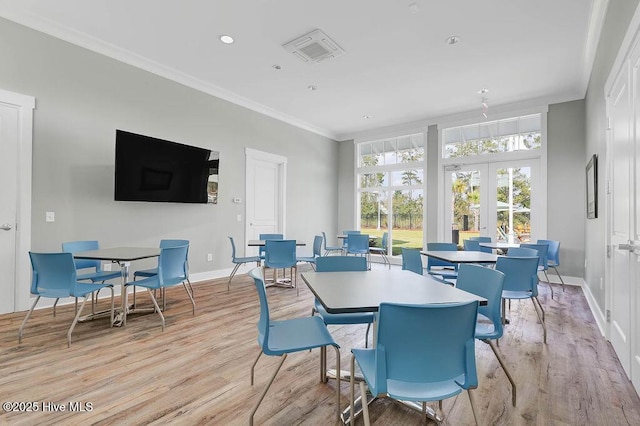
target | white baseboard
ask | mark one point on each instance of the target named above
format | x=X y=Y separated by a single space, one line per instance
x=595 y=309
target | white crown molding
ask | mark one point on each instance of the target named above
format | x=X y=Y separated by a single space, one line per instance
x=88 y=42
x=596 y=23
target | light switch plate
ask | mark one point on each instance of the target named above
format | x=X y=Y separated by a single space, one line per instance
x=50 y=217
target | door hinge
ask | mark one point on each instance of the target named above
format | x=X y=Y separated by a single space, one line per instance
x=608 y=123
x=608 y=250
x=608 y=315
x=608 y=187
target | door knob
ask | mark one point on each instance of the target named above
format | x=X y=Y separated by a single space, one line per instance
x=627 y=247
x=6 y=227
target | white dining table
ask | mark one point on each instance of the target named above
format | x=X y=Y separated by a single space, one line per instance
x=462 y=256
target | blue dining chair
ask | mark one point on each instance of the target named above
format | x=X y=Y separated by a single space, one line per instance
x=265 y=237
x=342 y=264
x=279 y=338
x=54 y=276
x=171 y=272
x=238 y=261
x=487 y=283
x=317 y=252
x=407 y=368
x=383 y=249
x=543 y=264
x=412 y=260
x=553 y=257
x=446 y=270
x=346 y=236
x=474 y=245
x=327 y=248
x=90 y=270
x=521 y=282
x=154 y=271
x=358 y=244
x=482 y=240
x=281 y=254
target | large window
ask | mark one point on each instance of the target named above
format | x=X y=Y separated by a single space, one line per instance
x=391 y=190
x=492 y=174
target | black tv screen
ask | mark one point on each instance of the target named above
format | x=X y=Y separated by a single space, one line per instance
x=151 y=169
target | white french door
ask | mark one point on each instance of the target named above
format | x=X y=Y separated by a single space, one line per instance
x=497 y=200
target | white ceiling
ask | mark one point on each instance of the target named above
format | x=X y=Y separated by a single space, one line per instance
x=397 y=67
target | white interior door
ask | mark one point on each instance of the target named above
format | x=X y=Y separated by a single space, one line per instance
x=619 y=107
x=16 y=130
x=8 y=205
x=265 y=195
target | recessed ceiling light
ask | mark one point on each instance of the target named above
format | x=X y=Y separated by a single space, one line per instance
x=452 y=40
x=366 y=116
x=312 y=87
x=277 y=67
x=483 y=91
x=226 y=39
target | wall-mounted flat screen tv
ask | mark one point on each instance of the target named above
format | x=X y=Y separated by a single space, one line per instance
x=151 y=169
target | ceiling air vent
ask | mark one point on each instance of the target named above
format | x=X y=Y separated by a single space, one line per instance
x=314 y=47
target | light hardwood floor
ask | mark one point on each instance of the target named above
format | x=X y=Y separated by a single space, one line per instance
x=197 y=371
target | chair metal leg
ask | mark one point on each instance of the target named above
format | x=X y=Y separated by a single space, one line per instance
x=24 y=321
x=56 y=304
x=253 y=366
x=323 y=364
x=193 y=302
x=366 y=336
x=473 y=405
x=504 y=368
x=235 y=269
x=540 y=316
x=559 y=276
x=155 y=304
x=337 y=382
x=264 y=392
x=548 y=282
x=75 y=320
x=365 y=406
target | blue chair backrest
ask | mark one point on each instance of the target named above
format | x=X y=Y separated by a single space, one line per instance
x=317 y=245
x=176 y=243
x=448 y=353
x=482 y=240
x=520 y=273
x=341 y=263
x=471 y=245
x=412 y=260
x=522 y=252
x=324 y=236
x=266 y=237
x=487 y=283
x=171 y=269
x=263 y=322
x=54 y=274
x=358 y=243
x=431 y=262
x=280 y=253
x=385 y=241
x=233 y=248
x=76 y=246
x=173 y=243
x=346 y=233
x=553 y=253
x=542 y=253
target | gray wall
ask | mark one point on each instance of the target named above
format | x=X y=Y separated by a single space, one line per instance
x=619 y=14
x=83 y=97
x=566 y=204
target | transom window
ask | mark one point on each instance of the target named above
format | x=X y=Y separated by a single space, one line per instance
x=508 y=135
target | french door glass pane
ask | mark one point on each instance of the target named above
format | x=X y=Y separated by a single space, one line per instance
x=465 y=199
x=513 y=210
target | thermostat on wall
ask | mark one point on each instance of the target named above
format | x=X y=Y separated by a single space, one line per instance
x=237 y=200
